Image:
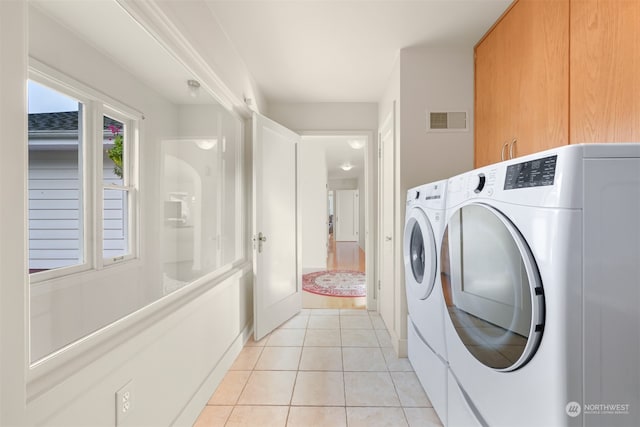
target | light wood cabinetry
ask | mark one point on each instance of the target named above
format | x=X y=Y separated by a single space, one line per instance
x=605 y=71
x=556 y=72
x=522 y=82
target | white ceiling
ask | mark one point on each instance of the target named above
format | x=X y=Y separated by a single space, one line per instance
x=93 y=21
x=338 y=151
x=343 y=50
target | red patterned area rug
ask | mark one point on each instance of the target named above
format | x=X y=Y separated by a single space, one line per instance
x=336 y=283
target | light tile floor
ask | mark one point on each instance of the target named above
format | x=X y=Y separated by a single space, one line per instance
x=324 y=367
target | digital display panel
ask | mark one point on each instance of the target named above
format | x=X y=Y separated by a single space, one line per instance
x=534 y=173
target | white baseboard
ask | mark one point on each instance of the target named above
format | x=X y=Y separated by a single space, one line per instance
x=192 y=410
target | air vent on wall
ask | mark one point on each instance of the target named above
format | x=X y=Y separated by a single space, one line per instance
x=447 y=121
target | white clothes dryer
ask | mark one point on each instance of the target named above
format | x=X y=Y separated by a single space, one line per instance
x=542 y=288
x=422 y=236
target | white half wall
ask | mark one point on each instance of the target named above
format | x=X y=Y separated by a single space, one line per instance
x=175 y=362
x=313 y=193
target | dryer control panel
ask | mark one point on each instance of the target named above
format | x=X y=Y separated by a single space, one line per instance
x=533 y=173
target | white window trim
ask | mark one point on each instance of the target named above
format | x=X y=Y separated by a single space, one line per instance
x=130 y=186
x=96 y=104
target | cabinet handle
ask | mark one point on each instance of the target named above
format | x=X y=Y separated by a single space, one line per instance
x=502 y=151
x=513 y=143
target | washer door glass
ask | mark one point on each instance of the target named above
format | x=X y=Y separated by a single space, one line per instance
x=416 y=252
x=419 y=255
x=492 y=287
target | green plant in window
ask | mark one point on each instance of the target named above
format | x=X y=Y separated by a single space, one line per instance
x=115 y=152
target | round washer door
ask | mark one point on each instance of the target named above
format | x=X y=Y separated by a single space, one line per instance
x=492 y=287
x=420 y=255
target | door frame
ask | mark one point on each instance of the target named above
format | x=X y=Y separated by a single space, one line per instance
x=370 y=234
x=388 y=125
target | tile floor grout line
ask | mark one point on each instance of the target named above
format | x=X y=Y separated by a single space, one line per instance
x=343 y=371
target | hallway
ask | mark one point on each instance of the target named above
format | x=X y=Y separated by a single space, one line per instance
x=341 y=256
x=322 y=368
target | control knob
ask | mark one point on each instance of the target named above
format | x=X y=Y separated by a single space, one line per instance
x=478 y=182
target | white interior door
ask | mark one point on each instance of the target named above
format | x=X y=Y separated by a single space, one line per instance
x=347 y=215
x=276 y=256
x=386 y=299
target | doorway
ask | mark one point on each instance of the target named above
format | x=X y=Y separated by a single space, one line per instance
x=334 y=216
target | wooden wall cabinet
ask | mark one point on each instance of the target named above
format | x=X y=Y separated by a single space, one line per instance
x=522 y=82
x=605 y=71
x=555 y=72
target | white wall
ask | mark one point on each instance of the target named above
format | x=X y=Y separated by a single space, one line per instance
x=425 y=79
x=391 y=293
x=329 y=116
x=313 y=191
x=177 y=351
x=13 y=222
x=442 y=80
x=343 y=184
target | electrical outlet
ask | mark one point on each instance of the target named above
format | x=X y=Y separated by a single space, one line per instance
x=124 y=402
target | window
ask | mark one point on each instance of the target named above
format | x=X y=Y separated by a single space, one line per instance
x=56 y=229
x=189 y=222
x=202 y=192
x=74 y=174
x=117 y=190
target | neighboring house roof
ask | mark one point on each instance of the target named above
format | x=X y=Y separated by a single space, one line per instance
x=54 y=131
x=60 y=121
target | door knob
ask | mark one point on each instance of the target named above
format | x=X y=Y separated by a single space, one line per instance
x=387 y=238
x=260 y=239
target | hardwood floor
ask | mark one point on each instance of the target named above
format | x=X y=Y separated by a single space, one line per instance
x=342 y=256
x=345 y=256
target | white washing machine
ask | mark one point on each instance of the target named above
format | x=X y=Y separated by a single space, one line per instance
x=422 y=236
x=542 y=290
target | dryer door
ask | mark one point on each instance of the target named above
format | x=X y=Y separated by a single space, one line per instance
x=419 y=254
x=492 y=287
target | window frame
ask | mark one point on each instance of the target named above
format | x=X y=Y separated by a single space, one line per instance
x=95 y=106
x=129 y=185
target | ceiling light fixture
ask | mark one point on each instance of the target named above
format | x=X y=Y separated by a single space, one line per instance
x=206 y=144
x=193 y=86
x=346 y=166
x=356 y=144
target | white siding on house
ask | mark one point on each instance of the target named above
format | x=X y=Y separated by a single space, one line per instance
x=55 y=222
x=54 y=209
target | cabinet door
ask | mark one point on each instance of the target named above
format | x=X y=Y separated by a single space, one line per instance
x=522 y=81
x=605 y=71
